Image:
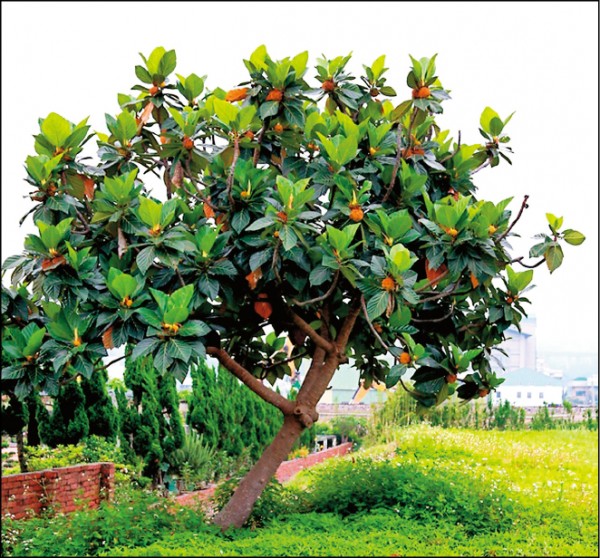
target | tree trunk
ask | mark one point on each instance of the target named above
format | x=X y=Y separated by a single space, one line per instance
x=21 y=452
x=239 y=507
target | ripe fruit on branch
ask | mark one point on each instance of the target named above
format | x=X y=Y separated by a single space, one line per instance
x=356 y=212
x=126 y=302
x=421 y=93
x=328 y=85
x=188 y=143
x=483 y=392
x=278 y=128
x=249 y=134
x=451 y=378
x=275 y=95
x=153 y=90
x=405 y=358
x=492 y=229
x=236 y=94
x=388 y=284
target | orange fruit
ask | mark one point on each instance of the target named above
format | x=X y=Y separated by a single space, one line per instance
x=127 y=302
x=245 y=194
x=474 y=280
x=451 y=231
x=249 y=134
x=451 y=378
x=236 y=94
x=374 y=92
x=373 y=151
x=188 y=143
x=418 y=150
x=407 y=152
x=282 y=216
x=388 y=284
x=492 y=229
x=377 y=328
x=483 y=392
x=356 y=213
x=328 y=85
x=421 y=93
x=278 y=128
x=405 y=358
x=275 y=95
x=153 y=90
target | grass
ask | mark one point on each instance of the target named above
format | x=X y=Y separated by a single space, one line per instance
x=541 y=486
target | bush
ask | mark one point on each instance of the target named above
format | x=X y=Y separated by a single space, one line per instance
x=360 y=484
x=194 y=462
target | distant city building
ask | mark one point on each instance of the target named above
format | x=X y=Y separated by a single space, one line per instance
x=519 y=346
x=542 y=367
x=528 y=388
x=345 y=387
x=582 y=392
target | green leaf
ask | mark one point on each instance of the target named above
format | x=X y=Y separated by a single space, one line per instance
x=268 y=108
x=142 y=74
x=149 y=317
x=179 y=349
x=124 y=284
x=56 y=129
x=394 y=375
x=167 y=63
x=162 y=359
x=193 y=328
x=573 y=237
x=400 y=257
x=226 y=112
x=150 y=211
x=145 y=258
x=377 y=304
x=288 y=237
x=181 y=298
x=554 y=257
x=144 y=347
x=261 y=223
x=319 y=275
x=554 y=221
x=486 y=117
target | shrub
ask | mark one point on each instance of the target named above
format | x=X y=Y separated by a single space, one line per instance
x=194 y=462
x=360 y=484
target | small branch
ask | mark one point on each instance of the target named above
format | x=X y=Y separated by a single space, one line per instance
x=86 y=225
x=230 y=178
x=435 y=320
x=256 y=154
x=373 y=330
x=274 y=261
x=317 y=339
x=390 y=187
x=284 y=405
x=167 y=179
x=482 y=166
x=277 y=363
x=523 y=207
x=440 y=295
x=322 y=297
x=532 y=266
x=433 y=281
x=104 y=367
x=180 y=277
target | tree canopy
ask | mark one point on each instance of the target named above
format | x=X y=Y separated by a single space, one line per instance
x=230 y=222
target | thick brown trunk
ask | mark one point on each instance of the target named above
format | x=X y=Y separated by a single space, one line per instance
x=21 y=452
x=238 y=509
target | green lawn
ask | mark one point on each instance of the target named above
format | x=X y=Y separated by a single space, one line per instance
x=431 y=492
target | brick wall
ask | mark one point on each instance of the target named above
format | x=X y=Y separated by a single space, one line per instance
x=66 y=489
x=290 y=468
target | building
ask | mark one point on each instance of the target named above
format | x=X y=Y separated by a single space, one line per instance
x=519 y=346
x=529 y=388
x=345 y=386
x=582 y=392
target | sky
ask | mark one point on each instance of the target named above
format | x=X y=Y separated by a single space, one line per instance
x=537 y=59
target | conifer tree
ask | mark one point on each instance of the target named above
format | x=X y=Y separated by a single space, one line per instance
x=100 y=409
x=68 y=423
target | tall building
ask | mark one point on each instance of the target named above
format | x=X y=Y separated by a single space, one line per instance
x=519 y=347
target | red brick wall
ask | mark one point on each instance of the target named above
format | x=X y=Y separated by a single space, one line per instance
x=65 y=489
x=290 y=468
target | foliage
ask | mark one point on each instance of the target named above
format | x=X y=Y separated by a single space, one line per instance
x=100 y=410
x=150 y=424
x=92 y=450
x=366 y=199
x=195 y=461
x=554 y=508
x=227 y=415
x=68 y=423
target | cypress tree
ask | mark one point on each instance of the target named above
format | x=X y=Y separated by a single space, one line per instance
x=68 y=422
x=150 y=424
x=14 y=418
x=101 y=412
x=203 y=404
x=34 y=402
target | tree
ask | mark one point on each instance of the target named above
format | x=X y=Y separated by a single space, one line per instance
x=325 y=215
x=150 y=424
x=100 y=410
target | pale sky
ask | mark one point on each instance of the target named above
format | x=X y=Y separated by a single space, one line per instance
x=538 y=59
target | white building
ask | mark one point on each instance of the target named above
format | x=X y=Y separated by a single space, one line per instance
x=519 y=347
x=528 y=388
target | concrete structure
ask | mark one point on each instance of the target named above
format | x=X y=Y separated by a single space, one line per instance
x=582 y=392
x=528 y=388
x=345 y=385
x=520 y=347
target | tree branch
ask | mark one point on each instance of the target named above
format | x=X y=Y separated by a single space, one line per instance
x=433 y=281
x=440 y=295
x=259 y=139
x=348 y=325
x=435 y=320
x=396 y=167
x=523 y=207
x=284 y=405
x=322 y=297
x=236 y=154
x=317 y=339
